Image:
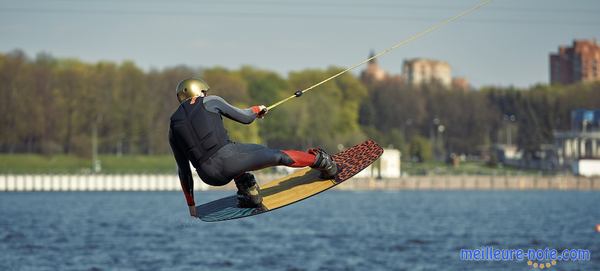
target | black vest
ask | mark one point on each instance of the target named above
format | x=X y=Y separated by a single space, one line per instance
x=197 y=131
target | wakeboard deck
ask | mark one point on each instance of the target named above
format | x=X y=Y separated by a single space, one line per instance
x=295 y=187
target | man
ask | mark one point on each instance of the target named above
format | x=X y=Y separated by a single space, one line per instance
x=197 y=135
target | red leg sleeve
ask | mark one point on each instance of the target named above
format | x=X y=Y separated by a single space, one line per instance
x=301 y=159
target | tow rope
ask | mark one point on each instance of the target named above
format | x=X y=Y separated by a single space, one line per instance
x=412 y=38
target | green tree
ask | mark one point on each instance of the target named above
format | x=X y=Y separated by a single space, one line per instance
x=229 y=85
x=264 y=87
x=326 y=116
x=70 y=91
x=420 y=149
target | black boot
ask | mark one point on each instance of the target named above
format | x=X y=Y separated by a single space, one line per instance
x=324 y=162
x=248 y=193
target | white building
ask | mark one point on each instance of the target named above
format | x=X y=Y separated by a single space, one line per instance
x=373 y=72
x=580 y=151
x=387 y=166
x=419 y=70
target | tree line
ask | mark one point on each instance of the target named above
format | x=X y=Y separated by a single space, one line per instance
x=58 y=106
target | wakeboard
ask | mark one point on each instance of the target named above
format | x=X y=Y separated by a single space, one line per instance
x=300 y=185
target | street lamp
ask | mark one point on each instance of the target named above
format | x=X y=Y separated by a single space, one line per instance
x=436 y=131
x=441 y=129
x=510 y=119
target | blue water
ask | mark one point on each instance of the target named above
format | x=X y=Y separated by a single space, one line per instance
x=336 y=230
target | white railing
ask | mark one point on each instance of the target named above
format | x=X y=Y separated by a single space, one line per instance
x=169 y=182
x=136 y=182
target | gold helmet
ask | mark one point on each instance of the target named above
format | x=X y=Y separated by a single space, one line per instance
x=189 y=88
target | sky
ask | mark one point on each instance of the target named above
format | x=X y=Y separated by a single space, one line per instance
x=505 y=43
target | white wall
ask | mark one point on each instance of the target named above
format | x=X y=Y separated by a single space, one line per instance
x=587 y=167
x=93 y=183
x=390 y=163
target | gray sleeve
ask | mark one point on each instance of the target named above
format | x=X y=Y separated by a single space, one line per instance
x=218 y=105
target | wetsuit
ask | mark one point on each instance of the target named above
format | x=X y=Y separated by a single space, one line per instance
x=197 y=135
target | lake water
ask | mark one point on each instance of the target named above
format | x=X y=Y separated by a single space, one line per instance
x=336 y=230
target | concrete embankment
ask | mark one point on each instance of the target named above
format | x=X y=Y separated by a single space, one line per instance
x=170 y=182
x=476 y=182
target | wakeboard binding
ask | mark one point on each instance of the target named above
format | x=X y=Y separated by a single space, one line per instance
x=324 y=163
x=248 y=194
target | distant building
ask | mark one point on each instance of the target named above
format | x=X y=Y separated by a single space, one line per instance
x=388 y=166
x=585 y=120
x=460 y=83
x=578 y=63
x=582 y=142
x=373 y=73
x=415 y=72
x=421 y=71
x=508 y=154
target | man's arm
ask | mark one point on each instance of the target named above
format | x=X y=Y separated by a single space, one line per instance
x=185 y=174
x=218 y=105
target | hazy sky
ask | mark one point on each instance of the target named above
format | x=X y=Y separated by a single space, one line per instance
x=506 y=43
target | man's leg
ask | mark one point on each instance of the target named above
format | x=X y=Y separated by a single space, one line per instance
x=238 y=159
x=298 y=158
x=248 y=157
x=241 y=158
x=315 y=158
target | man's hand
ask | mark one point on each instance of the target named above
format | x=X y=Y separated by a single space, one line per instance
x=193 y=211
x=263 y=111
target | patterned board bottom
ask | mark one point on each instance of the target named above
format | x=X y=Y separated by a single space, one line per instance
x=351 y=161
